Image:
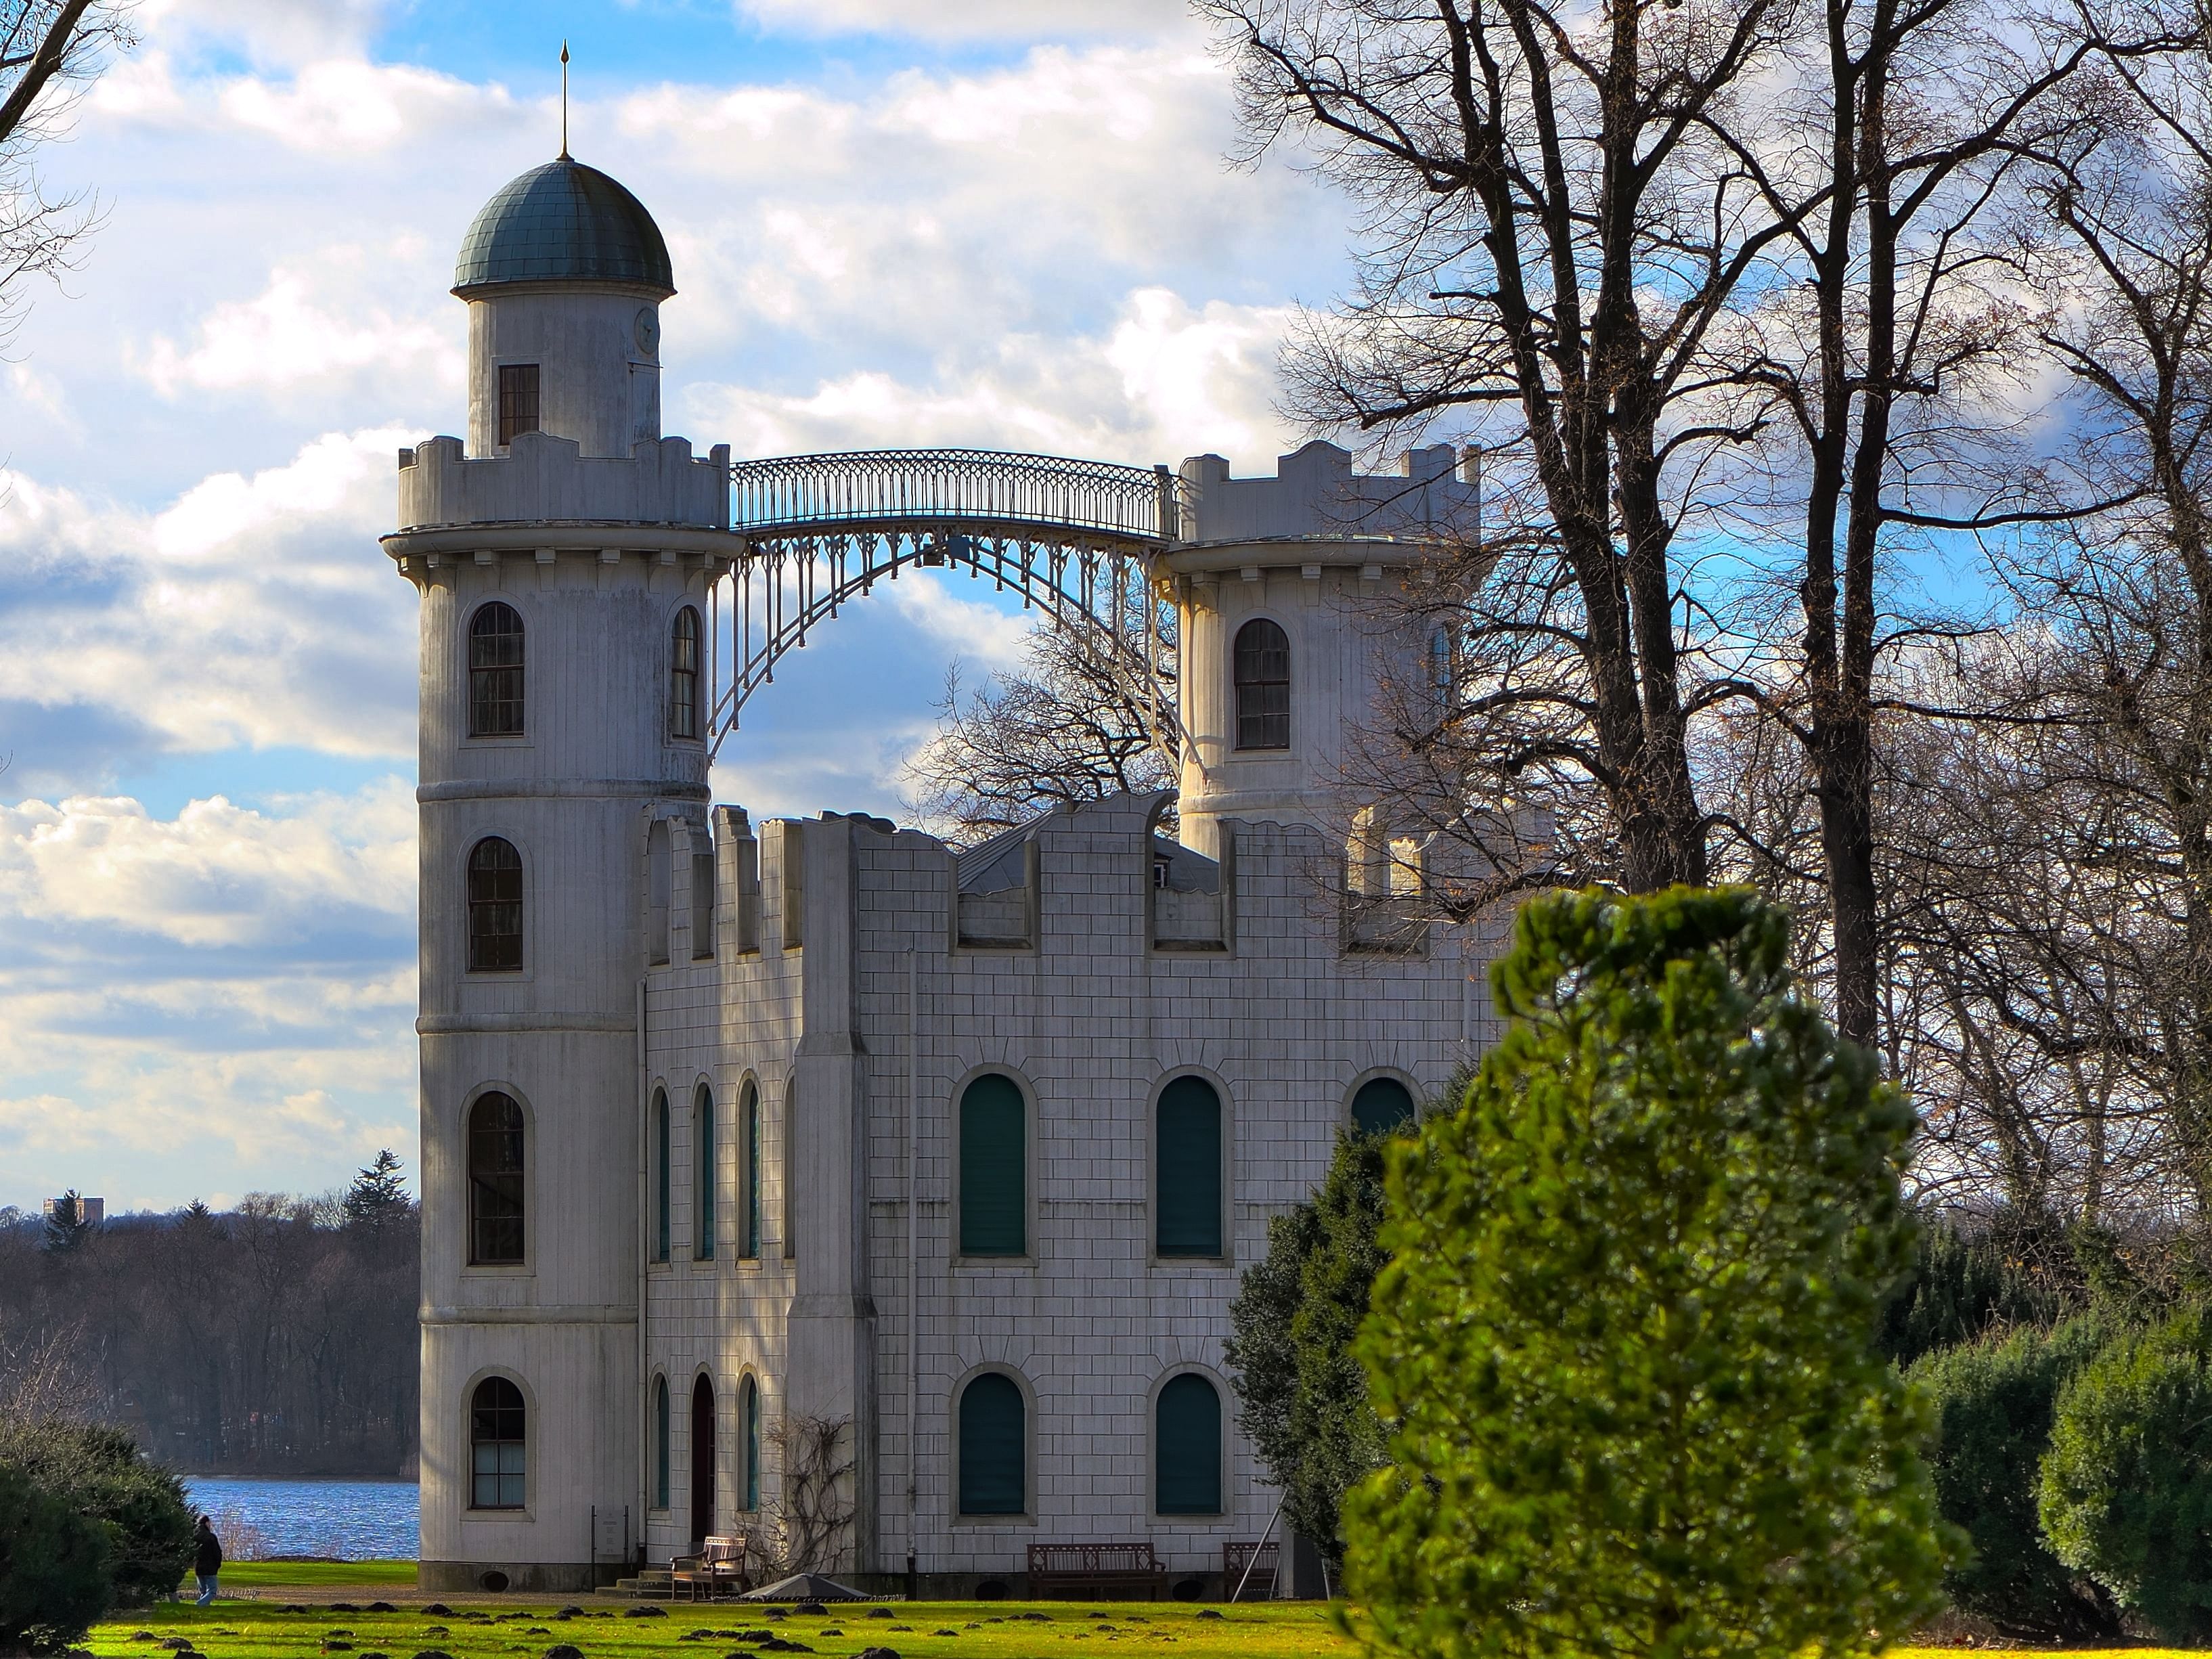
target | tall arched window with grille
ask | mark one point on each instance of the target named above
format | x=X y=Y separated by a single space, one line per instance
x=495 y=672
x=702 y=1178
x=1186 y=1447
x=1187 y=1170
x=495 y=1180
x=994 y=1446
x=993 y=1168
x=748 y=1442
x=749 y=1148
x=498 y=1446
x=660 y=1435
x=1263 y=668
x=663 y=1173
x=494 y=908
x=683 y=675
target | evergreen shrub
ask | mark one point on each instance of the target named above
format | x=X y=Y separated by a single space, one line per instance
x=1625 y=1336
x=54 y=1566
x=2126 y=1493
x=1994 y=1403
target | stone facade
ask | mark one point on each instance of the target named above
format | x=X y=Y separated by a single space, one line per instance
x=824 y=992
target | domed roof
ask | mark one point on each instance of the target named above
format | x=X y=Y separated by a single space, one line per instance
x=563 y=222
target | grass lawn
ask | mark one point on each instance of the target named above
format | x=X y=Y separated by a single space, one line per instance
x=935 y=1630
x=247 y=1575
x=479 y=1629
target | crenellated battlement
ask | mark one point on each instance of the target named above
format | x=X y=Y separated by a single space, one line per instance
x=1315 y=494
x=543 y=478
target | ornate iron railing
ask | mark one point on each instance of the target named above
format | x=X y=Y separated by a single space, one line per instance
x=982 y=490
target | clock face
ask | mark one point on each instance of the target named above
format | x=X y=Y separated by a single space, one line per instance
x=647 y=329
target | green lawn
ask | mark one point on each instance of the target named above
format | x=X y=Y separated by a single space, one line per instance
x=252 y=1574
x=491 y=1629
x=938 y=1630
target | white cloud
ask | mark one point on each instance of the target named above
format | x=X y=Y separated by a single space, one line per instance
x=349 y=107
x=1168 y=380
x=284 y=336
x=968 y=20
x=217 y=874
x=254 y=610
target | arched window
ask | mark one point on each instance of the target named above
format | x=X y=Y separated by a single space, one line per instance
x=703 y=1459
x=1263 y=686
x=993 y=1446
x=495 y=1181
x=748 y=1148
x=1186 y=1176
x=494 y=908
x=702 y=1175
x=663 y=1173
x=1381 y=1104
x=1186 y=1447
x=497 y=1446
x=661 y=1433
x=495 y=672
x=748 y=1442
x=683 y=675
x=790 y=1152
x=993 y=1168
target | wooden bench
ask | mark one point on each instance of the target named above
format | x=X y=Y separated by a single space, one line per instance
x=1058 y=1569
x=1261 y=1559
x=718 y=1569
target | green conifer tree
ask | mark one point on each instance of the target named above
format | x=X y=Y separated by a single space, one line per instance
x=377 y=1197
x=1626 y=1339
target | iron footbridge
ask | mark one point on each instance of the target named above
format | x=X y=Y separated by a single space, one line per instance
x=1078 y=540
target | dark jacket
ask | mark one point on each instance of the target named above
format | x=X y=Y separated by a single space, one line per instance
x=207 y=1557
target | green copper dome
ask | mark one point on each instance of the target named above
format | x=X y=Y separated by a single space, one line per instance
x=563 y=222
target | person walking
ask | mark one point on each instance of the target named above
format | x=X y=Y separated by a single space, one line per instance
x=206 y=1558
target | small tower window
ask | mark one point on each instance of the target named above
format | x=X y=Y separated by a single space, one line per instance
x=683 y=675
x=495 y=1181
x=518 y=400
x=494 y=908
x=1263 y=686
x=495 y=672
x=497 y=1445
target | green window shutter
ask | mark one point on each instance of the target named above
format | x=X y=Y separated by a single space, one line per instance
x=1187 y=1176
x=1187 y=1448
x=993 y=1168
x=703 y=1193
x=749 y=1414
x=993 y=1446
x=661 y=1158
x=660 y=1442
x=751 y=1153
x=1381 y=1104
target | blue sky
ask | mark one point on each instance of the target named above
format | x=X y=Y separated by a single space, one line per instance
x=1002 y=222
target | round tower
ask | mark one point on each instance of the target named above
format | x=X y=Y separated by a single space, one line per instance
x=1292 y=626
x=563 y=558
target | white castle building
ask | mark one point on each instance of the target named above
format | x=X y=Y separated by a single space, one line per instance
x=810 y=1180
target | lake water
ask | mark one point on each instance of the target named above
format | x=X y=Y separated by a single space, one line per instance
x=355 y=1520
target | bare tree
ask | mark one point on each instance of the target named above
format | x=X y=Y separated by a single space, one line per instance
x=50 y=51
x=807 y=1527
x=1074 y=723
x=1550 y=234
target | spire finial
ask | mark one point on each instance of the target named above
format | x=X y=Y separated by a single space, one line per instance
x=564 y=101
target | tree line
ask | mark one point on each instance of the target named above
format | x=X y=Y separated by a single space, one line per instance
x=275 y=1338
